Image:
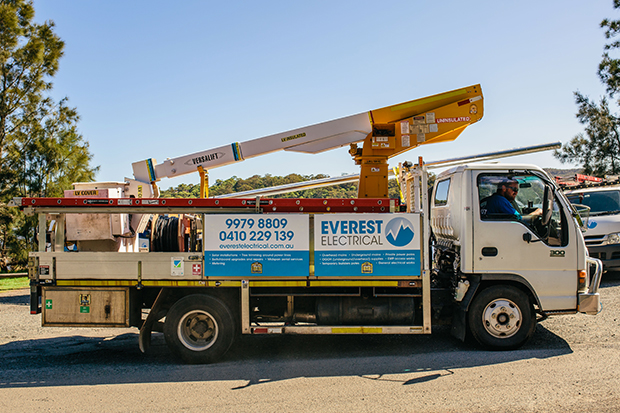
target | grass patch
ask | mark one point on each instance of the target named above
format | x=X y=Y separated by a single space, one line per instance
x=13 y=283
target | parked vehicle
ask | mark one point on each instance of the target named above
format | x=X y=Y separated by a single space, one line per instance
x=204 y=270
x=603 y=224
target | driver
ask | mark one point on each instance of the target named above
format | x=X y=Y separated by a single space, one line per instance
x=503 y=200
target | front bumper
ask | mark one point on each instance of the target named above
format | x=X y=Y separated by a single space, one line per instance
x=590 y=301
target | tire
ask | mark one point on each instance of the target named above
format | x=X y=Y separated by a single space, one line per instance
x=501 y=317
x=199 y=329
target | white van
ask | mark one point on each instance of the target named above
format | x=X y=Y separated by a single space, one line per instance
x=603 y=225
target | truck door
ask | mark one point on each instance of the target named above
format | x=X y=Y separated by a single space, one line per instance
x=510 y=239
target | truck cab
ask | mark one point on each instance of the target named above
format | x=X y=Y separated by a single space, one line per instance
x=530 y=260
x=603 y=224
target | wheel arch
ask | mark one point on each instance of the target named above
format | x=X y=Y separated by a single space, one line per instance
x=514 y=280
x=229 y=295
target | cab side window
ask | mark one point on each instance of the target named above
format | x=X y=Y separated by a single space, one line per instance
x=509 y=197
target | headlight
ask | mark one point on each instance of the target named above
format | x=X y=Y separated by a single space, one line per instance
x=613 y=238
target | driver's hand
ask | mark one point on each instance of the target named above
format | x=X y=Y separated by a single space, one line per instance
x=537 y=212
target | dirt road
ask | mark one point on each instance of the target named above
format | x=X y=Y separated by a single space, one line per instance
x=572 y=364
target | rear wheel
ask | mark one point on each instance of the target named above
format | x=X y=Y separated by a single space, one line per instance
x=502 y=317
x=199 y=329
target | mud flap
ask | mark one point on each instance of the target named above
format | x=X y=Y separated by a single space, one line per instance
x=459 y=318
x=145 y=331
x=35 y=298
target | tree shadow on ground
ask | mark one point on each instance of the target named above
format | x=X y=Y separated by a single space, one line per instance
x=410 y=359
x=610 y=279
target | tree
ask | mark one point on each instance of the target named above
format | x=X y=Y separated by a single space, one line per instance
x=598 y=149
x=235 y=184
x=41 y=151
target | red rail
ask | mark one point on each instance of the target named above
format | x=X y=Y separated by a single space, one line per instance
x=266 y=204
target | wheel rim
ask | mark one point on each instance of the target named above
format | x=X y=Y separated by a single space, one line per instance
x=197 y=330
x=501 y=318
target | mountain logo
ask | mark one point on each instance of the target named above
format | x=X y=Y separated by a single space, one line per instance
x=399 y=232
x=592 y=224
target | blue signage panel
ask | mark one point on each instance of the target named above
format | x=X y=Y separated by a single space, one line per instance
x=256 y=245
x=349 y=245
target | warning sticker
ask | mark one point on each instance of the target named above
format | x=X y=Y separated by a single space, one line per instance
x=405 y=141
x=421 y=129
x=454 y=120
x=176 y=266
x=418 y=120
x=404 y=127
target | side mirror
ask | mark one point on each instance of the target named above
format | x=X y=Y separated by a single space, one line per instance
x=547 y=206
x=582 y=216
x=527 y=237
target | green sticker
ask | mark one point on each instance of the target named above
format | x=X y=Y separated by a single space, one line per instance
x=84 y=309
x=48 y=304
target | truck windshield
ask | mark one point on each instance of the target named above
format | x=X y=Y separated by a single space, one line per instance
x=600 y=202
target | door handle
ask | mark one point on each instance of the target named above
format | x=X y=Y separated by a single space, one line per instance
x=489 y=251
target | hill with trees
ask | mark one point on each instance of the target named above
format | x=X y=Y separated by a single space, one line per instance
x=236 y=184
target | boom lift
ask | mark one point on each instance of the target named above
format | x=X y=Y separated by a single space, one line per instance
x=385 y=133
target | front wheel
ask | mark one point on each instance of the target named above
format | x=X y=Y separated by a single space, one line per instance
x=502 y=317
x=199 y=329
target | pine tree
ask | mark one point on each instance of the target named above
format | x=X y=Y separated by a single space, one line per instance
x=41 y=151
x=598 y=148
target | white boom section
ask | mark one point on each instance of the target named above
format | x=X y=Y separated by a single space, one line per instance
x=310 y=139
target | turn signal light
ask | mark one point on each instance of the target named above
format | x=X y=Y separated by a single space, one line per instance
x=582 y=277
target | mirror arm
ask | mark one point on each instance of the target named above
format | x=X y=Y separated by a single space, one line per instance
x=527 y=237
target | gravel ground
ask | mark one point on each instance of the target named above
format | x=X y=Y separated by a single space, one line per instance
x=572 y=364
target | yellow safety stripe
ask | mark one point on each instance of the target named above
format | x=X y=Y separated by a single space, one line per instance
x=357 y=330
x=345 y=283
x=428 y=100
x=278 y=283
x=226 y=283
x=97 y=283
x=173 y=283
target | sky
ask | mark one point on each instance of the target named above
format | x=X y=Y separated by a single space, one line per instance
x=160 y=79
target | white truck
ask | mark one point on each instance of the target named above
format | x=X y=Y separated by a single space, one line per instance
x=603 y=223
x=214 y=268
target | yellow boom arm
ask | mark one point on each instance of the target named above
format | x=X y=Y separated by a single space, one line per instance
x=399 y=128
x=386 y=132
